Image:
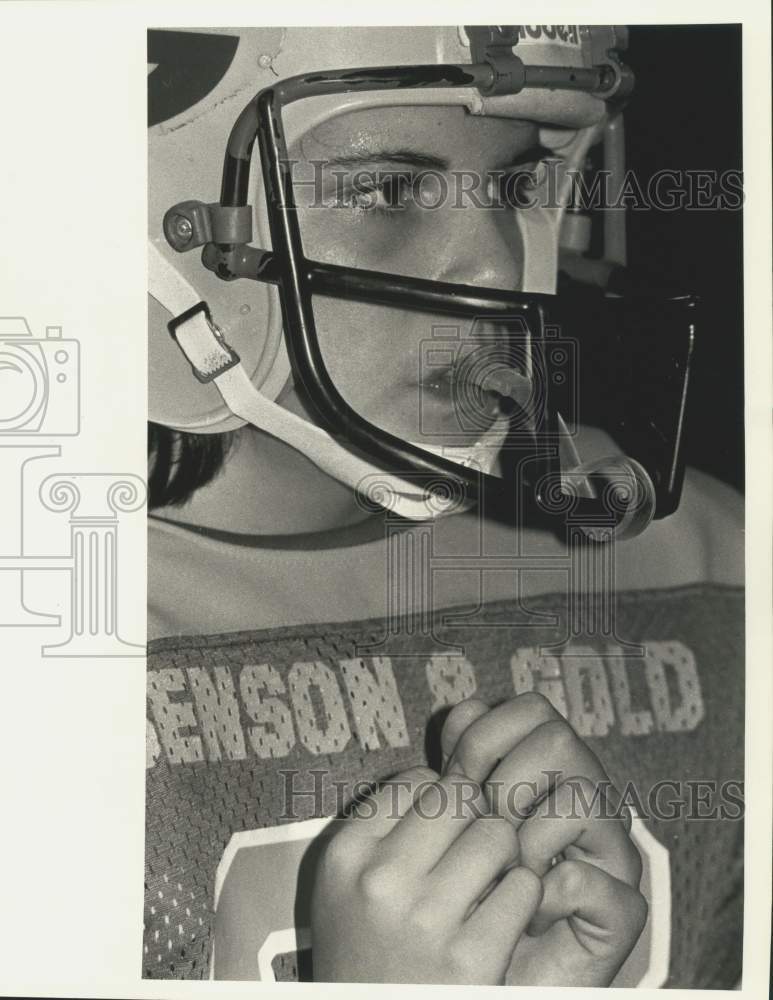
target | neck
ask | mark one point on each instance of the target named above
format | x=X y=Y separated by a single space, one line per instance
x=268 y=488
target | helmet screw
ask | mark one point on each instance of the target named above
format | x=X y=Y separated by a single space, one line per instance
x=183 y=228
x=264 y=61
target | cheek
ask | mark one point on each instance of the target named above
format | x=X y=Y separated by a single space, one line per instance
x=362 y=351
x=370 y=351
x=401 y=243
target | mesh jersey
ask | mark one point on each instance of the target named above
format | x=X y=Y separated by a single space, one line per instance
x=255 y=737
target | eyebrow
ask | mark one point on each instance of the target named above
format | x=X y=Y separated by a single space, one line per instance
x=411 y=158
x=403 y=156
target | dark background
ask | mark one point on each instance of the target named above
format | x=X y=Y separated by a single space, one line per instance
x=686 y=115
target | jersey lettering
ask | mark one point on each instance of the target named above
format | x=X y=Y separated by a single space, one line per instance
x=195 y=714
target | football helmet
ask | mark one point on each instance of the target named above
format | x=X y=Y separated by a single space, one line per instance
x=224 y=107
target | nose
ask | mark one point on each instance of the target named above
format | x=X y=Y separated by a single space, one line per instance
x=482 y=245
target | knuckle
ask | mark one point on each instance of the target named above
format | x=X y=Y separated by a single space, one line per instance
x=463 y=961
x=580 y=797
x=462 y=711
x=537 y=706
x=532 y=853
x=571 y=876
x=560 y=734
x=501 y=834
x=408 y=785
x=464 y=795
x=434 y=800
x=469 y=750
x=377 y=884
x=530 y=886
x=416 y=775
x=424 y=920
x=582 y=784
x=456 y=780
x=572 y=794
x=337 y=854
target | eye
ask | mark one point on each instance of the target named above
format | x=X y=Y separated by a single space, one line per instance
x=381 y=193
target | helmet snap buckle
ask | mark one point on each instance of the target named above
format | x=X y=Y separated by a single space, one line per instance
x=192 y=224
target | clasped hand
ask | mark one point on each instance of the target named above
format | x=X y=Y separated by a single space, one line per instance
x=514 y=865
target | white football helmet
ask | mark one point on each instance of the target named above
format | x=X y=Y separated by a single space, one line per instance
x=213 y=92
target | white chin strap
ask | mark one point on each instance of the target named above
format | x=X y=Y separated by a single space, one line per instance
x=215 y=361
x=209 y=353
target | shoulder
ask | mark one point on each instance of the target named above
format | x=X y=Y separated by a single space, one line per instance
x=709 y=525
x=168 y=566
x=703 y=541
x=203 y=585
x=198 y=585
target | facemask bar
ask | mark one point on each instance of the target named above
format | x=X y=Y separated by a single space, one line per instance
x=225 y=230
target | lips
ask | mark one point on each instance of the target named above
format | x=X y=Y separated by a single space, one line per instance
x=489 y=365
x=508 y=384
x=487 y=393
x=494 y=389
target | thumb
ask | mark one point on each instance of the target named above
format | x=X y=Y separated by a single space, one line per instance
x=605 y=917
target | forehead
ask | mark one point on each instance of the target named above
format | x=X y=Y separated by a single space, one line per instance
x=448 y=133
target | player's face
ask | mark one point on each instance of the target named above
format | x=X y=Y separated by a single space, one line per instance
x=393 y=186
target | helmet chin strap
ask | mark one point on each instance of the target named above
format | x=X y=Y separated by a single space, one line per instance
x=213 y=360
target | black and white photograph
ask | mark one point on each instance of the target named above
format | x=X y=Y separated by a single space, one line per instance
x=385 y=440
x=445 y=568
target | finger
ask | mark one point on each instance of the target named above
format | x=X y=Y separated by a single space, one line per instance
x=376 y=814
x=440 y=813
x=494 y=928
x=576 y=821
x=472 y=864
x=458 y=719
x=604 y=916
x=491 y=736
x=547 y=756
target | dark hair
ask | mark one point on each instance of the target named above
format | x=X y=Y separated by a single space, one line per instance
x=180 y=463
